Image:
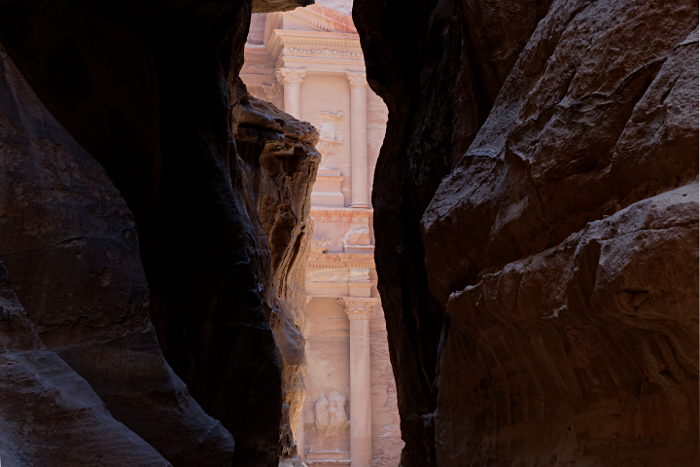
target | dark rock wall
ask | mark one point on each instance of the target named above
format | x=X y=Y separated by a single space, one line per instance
x=147 y=172
x=519 y=134
x=47 y=411
x=70 y=243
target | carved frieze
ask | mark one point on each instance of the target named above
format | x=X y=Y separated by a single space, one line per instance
x=328 y=275
x=320 y=244
x=272 y=92
x=321 y=53
x=359 y=275
x=257 y=69
x=358 y=234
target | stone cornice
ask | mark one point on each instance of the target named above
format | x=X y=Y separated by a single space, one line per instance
x=257 y=69
x=325 y=53
x=282 y=38
x=287 y=45
x=334 y=52
x=340 y=260
x=330 y=214
x=339 y=38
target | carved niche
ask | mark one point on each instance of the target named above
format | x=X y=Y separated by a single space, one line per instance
x=330 y=417
x=330 y=136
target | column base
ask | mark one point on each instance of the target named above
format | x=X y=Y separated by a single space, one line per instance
x=361 y=205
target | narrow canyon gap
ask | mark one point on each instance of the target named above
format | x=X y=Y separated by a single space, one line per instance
x=536 y=224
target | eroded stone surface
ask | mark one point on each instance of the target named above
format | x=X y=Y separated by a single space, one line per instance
x=49 y=415
x=279 y=151
x=70 y=243
x=571 y=138
x=264 y=6
x=586 y=352
x=510 y=130
x=162 y=133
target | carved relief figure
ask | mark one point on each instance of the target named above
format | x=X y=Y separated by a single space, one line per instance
x=329 y=134
x=330 y=416
x=358 y=235
x=320 y=244
x=359 y=275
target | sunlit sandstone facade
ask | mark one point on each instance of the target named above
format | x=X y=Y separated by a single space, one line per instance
x=309 y=63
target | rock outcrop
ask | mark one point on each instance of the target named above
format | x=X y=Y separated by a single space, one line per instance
x=537 y=257
x=125 y=196
x=49 y=415
x=70 y=244
x=280 y=156
x=266 y=6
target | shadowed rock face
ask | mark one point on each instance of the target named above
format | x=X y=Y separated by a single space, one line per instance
x=139 y=204
x=47 y=407
x=70 y=240
x=536 y=226
x=266 y=6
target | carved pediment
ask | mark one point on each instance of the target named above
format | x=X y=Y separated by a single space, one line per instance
x=321 y=18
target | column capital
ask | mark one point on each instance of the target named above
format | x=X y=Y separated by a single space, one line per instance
x=290 y=75
x=357 y=80
x=359 y=308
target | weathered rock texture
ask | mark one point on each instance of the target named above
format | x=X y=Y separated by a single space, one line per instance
x=138 y=203
x=69 y=241
x=265 y=6
x=538 y=272
x=279 y=153
x=46 y=407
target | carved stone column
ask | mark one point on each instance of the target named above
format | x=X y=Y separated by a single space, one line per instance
x=358 y=128
x=359 y=312
x=300 y=433
x=291 y=79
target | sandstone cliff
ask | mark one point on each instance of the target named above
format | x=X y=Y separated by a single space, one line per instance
x=280 y=156
x=47 y=411
x=131 y=236
x=536 y=224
